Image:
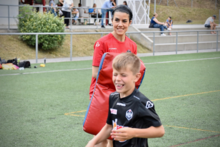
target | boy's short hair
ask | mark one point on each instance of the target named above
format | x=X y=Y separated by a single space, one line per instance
x=124 y=59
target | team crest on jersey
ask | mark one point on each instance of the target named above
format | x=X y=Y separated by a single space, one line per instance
x=97 y=44
x=129 y=114
x=149 y=104
x=113 y=111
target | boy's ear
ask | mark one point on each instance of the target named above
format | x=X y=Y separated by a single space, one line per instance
x=137 y=77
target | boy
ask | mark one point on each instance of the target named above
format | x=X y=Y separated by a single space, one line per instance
x=131 y=118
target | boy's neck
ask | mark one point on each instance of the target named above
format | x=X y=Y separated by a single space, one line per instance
x=124 y=95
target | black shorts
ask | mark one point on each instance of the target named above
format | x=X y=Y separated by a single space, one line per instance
x=207 y=25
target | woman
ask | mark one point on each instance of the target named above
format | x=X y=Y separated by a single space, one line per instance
x=156 y=24
x=116 y=41
x=67 y=6
x=94 y=13
x=169 y=24
x=52 y=8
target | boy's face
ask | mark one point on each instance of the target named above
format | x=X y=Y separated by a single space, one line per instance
x=124 y=81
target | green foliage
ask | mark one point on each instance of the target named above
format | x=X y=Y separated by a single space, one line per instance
x=32 y=22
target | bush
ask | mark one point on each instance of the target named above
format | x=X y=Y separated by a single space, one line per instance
x=33 y=22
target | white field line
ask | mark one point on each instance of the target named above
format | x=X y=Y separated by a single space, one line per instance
x=26 y=73
x=182 y=60
x=15 y=74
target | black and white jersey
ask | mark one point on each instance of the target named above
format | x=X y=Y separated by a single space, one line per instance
x=135 y=111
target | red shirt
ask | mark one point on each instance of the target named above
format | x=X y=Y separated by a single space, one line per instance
x=109 y=43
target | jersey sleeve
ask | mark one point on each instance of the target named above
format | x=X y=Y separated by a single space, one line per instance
x=99 y=50
x=149 y=115
x=109 y=120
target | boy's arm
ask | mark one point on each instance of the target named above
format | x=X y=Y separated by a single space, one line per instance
x=128 y=133
x=101 y=136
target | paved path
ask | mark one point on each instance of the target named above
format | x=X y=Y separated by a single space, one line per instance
x=139 y=54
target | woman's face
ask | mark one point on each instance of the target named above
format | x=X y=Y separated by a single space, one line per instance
x=123 y=3
x=120 y=23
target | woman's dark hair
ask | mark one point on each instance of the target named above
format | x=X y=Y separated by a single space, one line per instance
x=123 y=9
x=125 y=3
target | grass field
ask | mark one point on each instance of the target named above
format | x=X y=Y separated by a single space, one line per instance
x=45 y=107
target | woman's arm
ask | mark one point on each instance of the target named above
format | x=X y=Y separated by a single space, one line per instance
x=158 y=21
x=128 y=133
x=95 y=70
x=101 y=136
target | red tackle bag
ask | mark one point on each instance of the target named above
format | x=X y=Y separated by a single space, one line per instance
x=97 y=111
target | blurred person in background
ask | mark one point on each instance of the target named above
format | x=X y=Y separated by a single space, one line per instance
x=209 y=23
x=106 y=7
x=67 y=6
x=96 y=13
x=125 y=3
x=169 y=22
x=52 y=8
x=157 y=24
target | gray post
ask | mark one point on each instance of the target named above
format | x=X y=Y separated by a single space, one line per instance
x=191 y=3
x=217 y=42
x=71 y=47
x=36 y=47
x=167 y=2
x=155 y=3
x=197 y=41
x=8 y=17
x=215 y=4
x=102 y=35
x=129 y=35
x=219 y=17
x=176 y=42
x=153 y=43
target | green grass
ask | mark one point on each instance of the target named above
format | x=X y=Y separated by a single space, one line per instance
x=32 y=106
x=181 y=14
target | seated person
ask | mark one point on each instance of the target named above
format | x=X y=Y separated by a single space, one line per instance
x=75 y=13
x=210 y=23
x=156 y=24
x=95 y=12
x=169 y=24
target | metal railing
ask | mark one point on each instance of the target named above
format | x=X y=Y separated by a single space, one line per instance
x=176 y=32
x=60 y=7
x=102 y=33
